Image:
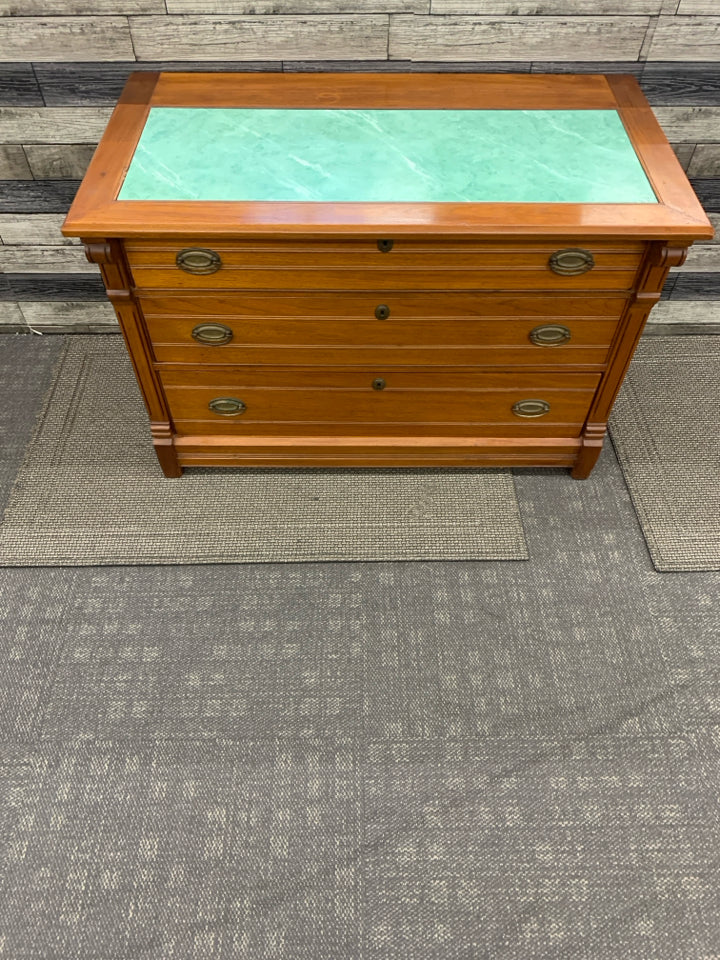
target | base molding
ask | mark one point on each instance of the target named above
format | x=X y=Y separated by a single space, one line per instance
x=376 y=452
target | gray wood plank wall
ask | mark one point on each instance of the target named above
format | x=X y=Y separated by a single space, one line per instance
x=63 y=64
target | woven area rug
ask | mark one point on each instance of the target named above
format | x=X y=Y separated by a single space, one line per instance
x=91 y=493
x=666 y=431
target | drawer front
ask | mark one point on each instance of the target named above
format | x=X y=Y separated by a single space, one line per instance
x=446 y=341
x=403 y=305
x=357 y=265
x=373 y=401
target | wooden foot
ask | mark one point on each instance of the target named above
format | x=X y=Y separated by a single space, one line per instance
x=592 y=444
x=165 y=449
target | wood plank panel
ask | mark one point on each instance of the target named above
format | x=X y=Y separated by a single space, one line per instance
x=65 y=38
x=686 y=38
x=686 y=311
x=11 y=315
x=59 y=161
x=68 y=8
x=403 y=66
x=13 y=163
x=54 y=286
x=34 y=229
x=696 y=286
x=273 y=8
x=516 y=38
x=18 y=85
x=546 y=8
x=69 y=316
x=689 y=124
x=36 y=196
x=706 y=160
x=695 y=8
x=41 y=259
x=708 y=192
x=682 y=84
x=53 y=124
x=631 y=67
x=257 y=38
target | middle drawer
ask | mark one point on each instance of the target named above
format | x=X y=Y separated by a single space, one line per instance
x=434 y=329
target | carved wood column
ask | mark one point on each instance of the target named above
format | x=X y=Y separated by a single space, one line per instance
x=653 y=273
x=110 y=257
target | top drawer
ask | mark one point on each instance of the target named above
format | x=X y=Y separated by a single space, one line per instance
x=383 y=264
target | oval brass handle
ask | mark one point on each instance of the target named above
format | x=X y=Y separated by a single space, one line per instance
x=227 y=406
x=382 y=311
x=385 y=246
x=550 y=335
x=531 y=408
x=378 y=383
x=571 y=262
x=213 y=334
x=198 y=260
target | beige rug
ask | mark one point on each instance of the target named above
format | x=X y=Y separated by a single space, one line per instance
x=91 y=492
x=666 y=431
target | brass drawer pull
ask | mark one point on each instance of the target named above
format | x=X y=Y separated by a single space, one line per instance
x=531 y=408
x=198 y=260
x=382 y=311
x=212 y=334
x=571 y=262
x=550 y=335
x=385 y=246
x=227 y=406
x=378 y=384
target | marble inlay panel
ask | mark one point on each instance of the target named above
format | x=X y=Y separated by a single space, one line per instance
x=507 y=156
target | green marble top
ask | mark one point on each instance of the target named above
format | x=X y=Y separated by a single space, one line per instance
x=414 y=156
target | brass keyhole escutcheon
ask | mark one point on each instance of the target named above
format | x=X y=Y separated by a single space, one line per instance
x=212 y=334
x=531 y=408
x=550 y=335
x=227 y=406
x=385 y=246
x=382 y=311
x=571 y=262
x=378 y=383
x=198 y=260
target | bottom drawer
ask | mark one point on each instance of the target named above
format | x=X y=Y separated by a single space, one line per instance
x=285 y=401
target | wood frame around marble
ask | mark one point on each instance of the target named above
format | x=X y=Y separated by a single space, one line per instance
x=96 y=213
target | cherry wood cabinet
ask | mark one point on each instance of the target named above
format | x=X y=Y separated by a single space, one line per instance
x=364 y=269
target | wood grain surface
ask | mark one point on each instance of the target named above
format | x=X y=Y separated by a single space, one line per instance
x=516 y=38
x=65 y=38
x=258 y=38
x=686 y=38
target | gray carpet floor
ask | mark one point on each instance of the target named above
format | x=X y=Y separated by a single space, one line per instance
x=436 y=761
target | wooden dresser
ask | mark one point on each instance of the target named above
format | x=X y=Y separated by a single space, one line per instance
x=383 y=270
